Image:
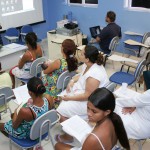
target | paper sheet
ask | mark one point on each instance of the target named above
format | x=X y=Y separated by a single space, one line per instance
x=77 y=127
x=21 y=94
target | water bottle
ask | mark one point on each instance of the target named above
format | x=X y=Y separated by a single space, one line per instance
x=70 y=16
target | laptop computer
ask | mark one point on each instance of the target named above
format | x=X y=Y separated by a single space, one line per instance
x=95 y=31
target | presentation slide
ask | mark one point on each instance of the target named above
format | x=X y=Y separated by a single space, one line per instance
x=14 y=13
x=10 y=7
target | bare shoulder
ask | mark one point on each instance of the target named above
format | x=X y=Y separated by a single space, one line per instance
x=50 y=99
x=91 y=143
x=26 y=114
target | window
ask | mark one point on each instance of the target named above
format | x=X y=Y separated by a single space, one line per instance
x=138 y=5
x=83 y=2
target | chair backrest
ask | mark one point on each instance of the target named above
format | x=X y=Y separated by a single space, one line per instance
x=113 y=44
x=26 y=29
x=63 y=79
x=147 y=57
x=145 y=36
x=6 y=94
x=139 y=69
x=36 y=66
x=43 y=124
x=111 y=86
x=12 y=32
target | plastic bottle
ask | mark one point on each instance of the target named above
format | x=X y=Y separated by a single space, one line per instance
x=70 y=16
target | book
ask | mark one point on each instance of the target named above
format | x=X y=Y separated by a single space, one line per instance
x=21 y=94
x=78 y=128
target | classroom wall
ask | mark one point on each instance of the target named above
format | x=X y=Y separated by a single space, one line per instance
x=87 y=17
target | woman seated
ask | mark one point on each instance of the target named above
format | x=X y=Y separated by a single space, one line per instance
x=93 y=75
x=135 y=113
x=109 y=127
x=20 y=125
x=54 y=69
x=34 y=51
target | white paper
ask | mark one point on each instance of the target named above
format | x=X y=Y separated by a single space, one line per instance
x=77 y=127
x=13 y=46
x=21 y=94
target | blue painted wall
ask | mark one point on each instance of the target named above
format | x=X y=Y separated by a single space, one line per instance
x=87 y=17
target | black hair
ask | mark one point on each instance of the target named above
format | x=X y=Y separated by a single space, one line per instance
x=111 y=15
x=36 y=86
x=69 y=49
x=92 y=53
x=104 y=99
x=31 y=39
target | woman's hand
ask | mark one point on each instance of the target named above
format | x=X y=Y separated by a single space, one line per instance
x=69 y=86
x=127 y=110
x=66 y=98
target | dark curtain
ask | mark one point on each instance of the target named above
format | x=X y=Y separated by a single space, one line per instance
x=91 y=1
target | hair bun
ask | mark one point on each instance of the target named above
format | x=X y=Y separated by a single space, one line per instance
x=41 y=89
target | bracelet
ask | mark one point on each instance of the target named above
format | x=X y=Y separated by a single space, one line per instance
x=71 y=80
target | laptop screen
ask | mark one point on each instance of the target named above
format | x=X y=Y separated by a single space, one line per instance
x=95 y=31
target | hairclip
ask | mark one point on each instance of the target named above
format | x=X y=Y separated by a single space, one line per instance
x=38 y=86
x=70 y=56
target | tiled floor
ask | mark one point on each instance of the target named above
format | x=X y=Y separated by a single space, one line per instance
x=4 y=141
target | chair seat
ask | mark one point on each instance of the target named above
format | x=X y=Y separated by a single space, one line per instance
x=27 y=142
x=120 y=77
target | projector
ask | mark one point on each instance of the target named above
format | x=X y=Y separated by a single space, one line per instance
x=67 y=32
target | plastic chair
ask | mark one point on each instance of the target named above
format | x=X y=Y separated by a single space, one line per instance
x=26 y=29
x=12 y=35
x=35 y=69
x=112 y=47
x=6 y=94
x=121 y=77
x=111 y=86
x=133 y=65
x=64 y=79
x=41 y=129
x=136 y=49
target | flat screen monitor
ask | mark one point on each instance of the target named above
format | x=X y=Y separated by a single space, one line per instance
x=95 y=31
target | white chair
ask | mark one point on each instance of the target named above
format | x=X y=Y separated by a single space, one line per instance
x=137 y=48
x=41 y=129
x=111 y=86
x=6 y=94
x=112 y=47
x=35 y=69
x=63 y=79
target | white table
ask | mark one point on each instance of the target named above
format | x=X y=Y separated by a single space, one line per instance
x=121 y=58
x=10 y=55
x=135 y=43
x=133 y=33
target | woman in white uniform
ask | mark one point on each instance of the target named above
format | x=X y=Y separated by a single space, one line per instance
x=135 y=114
x=109 y=126
x=93 y=76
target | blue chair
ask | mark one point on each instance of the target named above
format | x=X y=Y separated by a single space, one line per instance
x=12 y=35
x=121 y=77
x=41 y=129
x=27 y=29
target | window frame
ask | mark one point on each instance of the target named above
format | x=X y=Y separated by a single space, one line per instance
x=83 y=4
x=127 y=5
